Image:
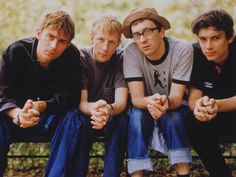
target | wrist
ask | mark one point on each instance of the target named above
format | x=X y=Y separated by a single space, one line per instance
x=111 y=109
x=168 y=102
x=16 y=118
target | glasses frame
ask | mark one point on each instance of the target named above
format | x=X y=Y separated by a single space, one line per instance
x=146 y=33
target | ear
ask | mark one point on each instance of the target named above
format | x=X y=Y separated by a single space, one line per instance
x=231 y=39
x=162 y=32
x=38 y=34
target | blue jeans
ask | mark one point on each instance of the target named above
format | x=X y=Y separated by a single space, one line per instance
x=63 y=131
x=140 y=131
x=115 y=133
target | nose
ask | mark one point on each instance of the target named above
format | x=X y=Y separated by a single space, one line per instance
x=208 y=44
x=143 y=38
x=105 y=46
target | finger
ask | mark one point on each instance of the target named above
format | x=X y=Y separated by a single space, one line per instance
x=34 y=112
x=28 y=105
x=205 y=100
x=97 y=125
x=211 y=102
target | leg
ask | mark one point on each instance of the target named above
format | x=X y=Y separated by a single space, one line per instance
x=115 y=145
x=174 y=133
x=80 y=161
x=63 y=144
x=5 y=136
x=203 y=139
x=140 y=129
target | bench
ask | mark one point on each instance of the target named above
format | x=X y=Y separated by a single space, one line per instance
x=155 y=155
x=222 y=140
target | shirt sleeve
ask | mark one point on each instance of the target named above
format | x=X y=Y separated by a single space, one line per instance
x=7 y=82
x=196 y=80
x=119 y=77
x=131 y=64
x=183 y=68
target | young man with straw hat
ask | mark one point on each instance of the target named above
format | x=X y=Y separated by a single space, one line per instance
x=157 y=69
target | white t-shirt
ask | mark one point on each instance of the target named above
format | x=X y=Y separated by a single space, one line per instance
x=157 y=76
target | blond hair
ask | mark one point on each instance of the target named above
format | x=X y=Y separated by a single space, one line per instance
x=59 y=20
x=108 y=23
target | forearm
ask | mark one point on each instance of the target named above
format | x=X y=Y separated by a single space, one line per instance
x=86 y=108
x=140 y=102
x=175 y=102
x=118 y=107
x=13 y=112
x=226 y=105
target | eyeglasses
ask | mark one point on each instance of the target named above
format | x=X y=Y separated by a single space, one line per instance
x=146 y=33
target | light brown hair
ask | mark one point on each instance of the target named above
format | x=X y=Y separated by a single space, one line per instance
x=59 y=20
x=108 y=23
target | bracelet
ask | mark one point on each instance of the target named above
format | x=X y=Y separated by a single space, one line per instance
x=112 y=109
x=168 y=99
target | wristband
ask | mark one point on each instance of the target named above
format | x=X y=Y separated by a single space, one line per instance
x=16 y=120
x=112 y=109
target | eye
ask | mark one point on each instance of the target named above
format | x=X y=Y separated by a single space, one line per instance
x=136 y=35
x=201 y=39
x=215 y=38
x=50 y=36
x=147 y=32
x=64 y=42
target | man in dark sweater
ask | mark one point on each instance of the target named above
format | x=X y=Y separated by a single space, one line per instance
x=103 y=96
x=212 y=96
x=39 y=91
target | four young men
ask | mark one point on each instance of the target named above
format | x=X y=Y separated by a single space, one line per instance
x=44 y=79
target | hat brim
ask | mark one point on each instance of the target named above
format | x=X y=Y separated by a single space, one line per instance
x=142 y=15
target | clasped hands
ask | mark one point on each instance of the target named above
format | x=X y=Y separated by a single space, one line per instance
x=157 y=105
x=205 y=109
x=30 y=113
x=100 y=114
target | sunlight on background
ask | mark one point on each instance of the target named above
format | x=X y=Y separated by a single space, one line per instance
x=16 y=23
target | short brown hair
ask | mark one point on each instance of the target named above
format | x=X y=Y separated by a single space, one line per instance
x=107 y=23
x=59 y=20
x=218 y=18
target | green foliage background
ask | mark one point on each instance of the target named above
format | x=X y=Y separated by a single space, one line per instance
x=19 y=18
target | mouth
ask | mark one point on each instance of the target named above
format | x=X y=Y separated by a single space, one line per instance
x=50 y=53
x=145 y=47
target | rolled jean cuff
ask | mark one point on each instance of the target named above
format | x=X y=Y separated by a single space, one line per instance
x=139 y=164
x=180 y=156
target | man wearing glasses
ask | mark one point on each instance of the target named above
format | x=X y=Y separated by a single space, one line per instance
x=157 y=69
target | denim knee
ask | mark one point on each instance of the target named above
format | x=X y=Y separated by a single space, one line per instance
x=173 y=128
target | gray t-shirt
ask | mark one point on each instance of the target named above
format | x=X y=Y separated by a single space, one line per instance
x=101 y=79
x=176 y=66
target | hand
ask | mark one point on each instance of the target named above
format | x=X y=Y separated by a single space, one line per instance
x=100 y=114
x=159 y=106
x=28 y=116
x=205 y=109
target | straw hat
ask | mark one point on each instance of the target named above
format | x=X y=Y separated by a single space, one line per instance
x=143 y=13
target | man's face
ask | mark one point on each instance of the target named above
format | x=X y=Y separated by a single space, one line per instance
x=214 y=44
x=51 y=44
x=152 y=43
x=104 y=45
